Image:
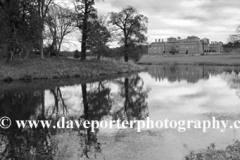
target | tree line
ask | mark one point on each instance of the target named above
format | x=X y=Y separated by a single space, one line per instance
x=29 y=26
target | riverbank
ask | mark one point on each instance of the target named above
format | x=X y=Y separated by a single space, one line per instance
x=48 y=84
x=51 y=68
x=223 y=59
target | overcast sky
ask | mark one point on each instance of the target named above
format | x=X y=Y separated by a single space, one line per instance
x=213 y=19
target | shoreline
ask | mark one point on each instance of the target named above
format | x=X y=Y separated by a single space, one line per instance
x=214 y=60
x=195 y=64
x=47 y=84
x=53 y=68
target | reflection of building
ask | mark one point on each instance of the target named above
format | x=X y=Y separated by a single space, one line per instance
x=191 y=45
x=190 y=73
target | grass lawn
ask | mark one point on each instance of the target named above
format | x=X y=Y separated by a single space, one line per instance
x=223 y=59
x=50 y=68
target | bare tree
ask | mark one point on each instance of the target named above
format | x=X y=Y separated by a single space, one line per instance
x=59 y=21
x=235 y=37
x=42 y=8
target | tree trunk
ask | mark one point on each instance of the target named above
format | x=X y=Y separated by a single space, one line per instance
x=52 y=47
x=84 y=33
x=126 y=104
x=126 y=53
x=125 y=48
x=41 y=45
x=84 y=39
x=85 y=102
x=43 y=104
x=126 y=57
x=86 y=108
x=99 y=56
x=59 y=47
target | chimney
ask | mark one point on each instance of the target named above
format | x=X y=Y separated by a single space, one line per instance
x=159 y=40
x=162 y=40
x=155 y=40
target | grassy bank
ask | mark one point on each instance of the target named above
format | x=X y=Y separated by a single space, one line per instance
x=232 y=152
x=223 y=59
x=50 y=68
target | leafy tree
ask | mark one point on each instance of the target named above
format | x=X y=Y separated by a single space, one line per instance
x=85 y=13
x=98 y=37
x=136 y=52
x=132 y=27
x=18 y=25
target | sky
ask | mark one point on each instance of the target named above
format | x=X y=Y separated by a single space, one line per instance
x=213 y=19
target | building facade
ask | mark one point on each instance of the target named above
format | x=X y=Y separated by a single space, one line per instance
x=190 y=45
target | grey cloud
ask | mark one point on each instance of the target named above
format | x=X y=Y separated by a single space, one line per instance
x=209 y=13
x=197 y=18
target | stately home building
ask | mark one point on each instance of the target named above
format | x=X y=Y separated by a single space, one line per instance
x=190 y=45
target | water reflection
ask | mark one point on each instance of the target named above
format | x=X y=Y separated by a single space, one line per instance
x=191 y=73
x=94 y=101
x=24 y=143
x=134 y=94
x=97 y=105
x=168 y=91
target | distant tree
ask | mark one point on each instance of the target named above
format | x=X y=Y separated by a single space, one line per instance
x=115 y=53
x=85 y=12
x=76 y=54
x=235 y=37
x=59 y=21
x=132 y=26
x=136 y=52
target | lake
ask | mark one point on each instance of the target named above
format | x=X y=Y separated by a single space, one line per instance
x=174 y=92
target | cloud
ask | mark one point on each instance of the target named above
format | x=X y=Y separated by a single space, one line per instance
x=216 y=19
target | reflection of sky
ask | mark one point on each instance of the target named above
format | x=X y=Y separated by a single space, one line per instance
x=205 y=96
x=72 y=96
x=175 y=101
x=180 y=101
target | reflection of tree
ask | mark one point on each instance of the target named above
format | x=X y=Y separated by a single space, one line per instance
x=24 y=143
x=58 y=102
x=40 y=143
x=135 y=105
x=97 y=104
x=19 y=105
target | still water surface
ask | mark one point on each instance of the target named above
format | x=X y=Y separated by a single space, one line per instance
x=176 y=92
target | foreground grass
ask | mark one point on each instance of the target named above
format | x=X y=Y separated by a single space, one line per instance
x=223 y=59
x=50 y=68
x=232 y=152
